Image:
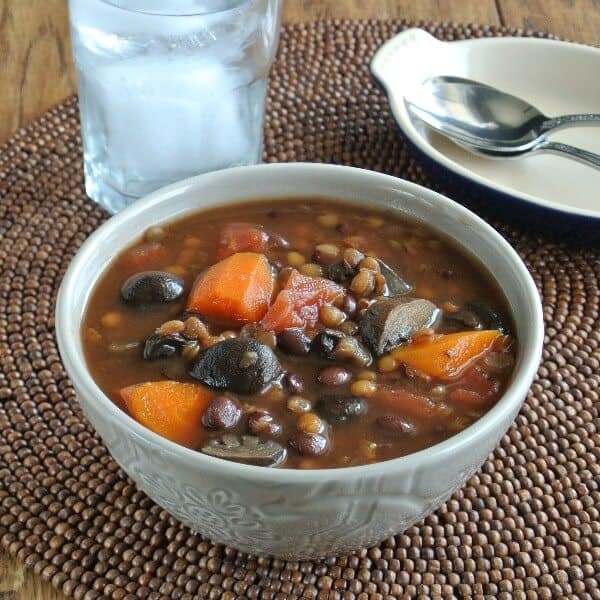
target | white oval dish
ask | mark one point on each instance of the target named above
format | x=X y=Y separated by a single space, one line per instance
x=556 y=77
x=289 y=513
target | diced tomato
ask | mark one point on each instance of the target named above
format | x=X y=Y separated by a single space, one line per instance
x=146 y=257
x=244 y=237
x=298 y=303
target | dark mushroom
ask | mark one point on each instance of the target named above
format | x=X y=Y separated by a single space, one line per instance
x=476 y=315
x=152 y=287
x=390 y=322
x=341 y=409
x=163 y=346
x=396 y=285
x=240 y=366
x=249 y=449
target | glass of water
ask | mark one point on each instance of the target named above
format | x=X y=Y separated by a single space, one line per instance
x=169 y=89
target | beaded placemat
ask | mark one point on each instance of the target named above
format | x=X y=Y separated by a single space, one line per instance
x=525 y=526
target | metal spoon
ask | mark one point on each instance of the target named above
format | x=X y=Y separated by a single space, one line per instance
x=492 y=123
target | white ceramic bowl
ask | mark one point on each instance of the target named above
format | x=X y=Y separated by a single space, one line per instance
x=297 y=514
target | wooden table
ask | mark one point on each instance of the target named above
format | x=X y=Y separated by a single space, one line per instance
x=37 y=73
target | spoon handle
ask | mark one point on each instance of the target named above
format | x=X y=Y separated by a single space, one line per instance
x=583 y=156
x=570 y=120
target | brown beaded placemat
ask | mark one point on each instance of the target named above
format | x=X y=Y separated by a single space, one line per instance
x=525 y=526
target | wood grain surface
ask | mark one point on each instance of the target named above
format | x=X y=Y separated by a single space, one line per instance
x=37 y=73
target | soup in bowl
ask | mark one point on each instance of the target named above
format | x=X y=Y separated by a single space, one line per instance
x=299 y=373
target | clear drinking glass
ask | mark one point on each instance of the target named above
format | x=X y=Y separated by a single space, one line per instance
x=169 y=89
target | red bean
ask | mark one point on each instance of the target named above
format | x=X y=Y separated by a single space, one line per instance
x=396 y=423
x=261 y=423
x=294 y=341
x=334 y=376
x=293 y=384
x=349 y=304
x=221 y=413
x=309 y=444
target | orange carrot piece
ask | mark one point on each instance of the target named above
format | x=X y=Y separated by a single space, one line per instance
x=170 y=408
x=405 y=403
x=446 y=356
x=237 y=289
x=298 y=303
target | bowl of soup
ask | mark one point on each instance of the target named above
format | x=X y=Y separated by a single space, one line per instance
x=299 y=359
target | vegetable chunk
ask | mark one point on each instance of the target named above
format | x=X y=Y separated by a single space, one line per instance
x=237 y=289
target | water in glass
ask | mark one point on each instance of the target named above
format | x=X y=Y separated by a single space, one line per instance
x=169 y=89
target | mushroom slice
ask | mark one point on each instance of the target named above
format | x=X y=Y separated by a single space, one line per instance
x=240 y=366
x=152 y=287
x=388 y=323
x=249 y=449
x=163 y=346
x=396 y=286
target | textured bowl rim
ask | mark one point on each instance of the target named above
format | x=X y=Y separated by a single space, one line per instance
x=74 y=362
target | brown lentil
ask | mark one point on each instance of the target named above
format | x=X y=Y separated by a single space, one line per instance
x=328 y=220
x=154 y=234
x=387 y=364
x=363 y=388
x=298 y=404
x=112 y=319
x=326 y=252
x=171 y=327
x=190 y=351
x=310 y=423
x=363 y=283
x=194 y=329
x=369 y=263
x=295 y=259
x=348 y=327
x=311 y=270
x=352 y=257
x=331 y=316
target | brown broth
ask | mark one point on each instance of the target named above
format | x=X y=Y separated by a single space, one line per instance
x=439 y=271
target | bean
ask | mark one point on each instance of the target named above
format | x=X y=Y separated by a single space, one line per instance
x=222 y=412
x=363 y=387
x=395 y=423
x=329 y=220
x=380 y=284
x=274 y=394
x=298 y=404
x=331 y=316
x=369 y=263
x=352 y=257
x=154 y=234
x=311 y=270
x=295 y=259
x=112 y=319
x=363 y=283
x=261 y=423
x=171 y=327
x=293 y=383
x=349 y=304
x=194 y=329
x=325 y=253
x=437 y=391
x=310 y=423
x=367 y=375
x=309 y=444
x=387 y=364
x=334 y=376
x=294 y=341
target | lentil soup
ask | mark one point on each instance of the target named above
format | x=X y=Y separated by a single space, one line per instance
x=303 y=333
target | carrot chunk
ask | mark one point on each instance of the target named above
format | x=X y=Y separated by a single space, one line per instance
x=237 y=289
x=170 y=408
x=446 y=356
x=298 y=303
